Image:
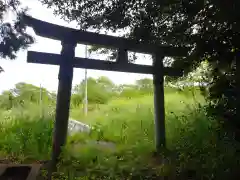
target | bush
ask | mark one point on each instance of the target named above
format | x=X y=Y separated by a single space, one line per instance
x=26 y=138
x=223 y=97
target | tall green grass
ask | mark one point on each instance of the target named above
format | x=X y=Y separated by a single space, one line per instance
x=26 y=138
x=196 y=142
x=128 y=121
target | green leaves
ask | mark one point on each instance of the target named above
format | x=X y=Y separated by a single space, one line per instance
x=99 y=90
x=210 y=28
x=23 y=94
x=12 y=34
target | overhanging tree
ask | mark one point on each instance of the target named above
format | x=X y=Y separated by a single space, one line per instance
x=12 y=33
x=210 y=27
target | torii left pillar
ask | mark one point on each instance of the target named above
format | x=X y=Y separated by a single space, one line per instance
x=63 y=103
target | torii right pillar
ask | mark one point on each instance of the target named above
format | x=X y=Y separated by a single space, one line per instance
x=159 y=108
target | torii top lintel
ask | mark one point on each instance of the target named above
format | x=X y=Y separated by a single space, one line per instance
x=71 y=35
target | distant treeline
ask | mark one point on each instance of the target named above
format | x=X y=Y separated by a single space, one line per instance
x=99 y=91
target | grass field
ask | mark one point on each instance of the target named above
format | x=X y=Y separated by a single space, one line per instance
x=122 y=121
x=196 y=144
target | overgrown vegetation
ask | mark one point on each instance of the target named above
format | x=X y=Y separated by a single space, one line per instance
x=197 y=145
x=210 y=28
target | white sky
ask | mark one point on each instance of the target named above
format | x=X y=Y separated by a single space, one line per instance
x=19 y=70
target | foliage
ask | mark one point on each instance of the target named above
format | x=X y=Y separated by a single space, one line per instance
x=197 y=145
x=76 y=100
x=23 y=94
x=99 y=90
x=145 y=85
x=224 y=85
x=26 y=138
x=12 y=32
x=210 y=28
x=102 y=89
x=6 y=100
x=129 y=91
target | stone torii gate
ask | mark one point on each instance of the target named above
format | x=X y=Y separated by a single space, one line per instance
x=69 y=38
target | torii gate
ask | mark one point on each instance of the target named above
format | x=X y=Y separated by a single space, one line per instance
x=69 y=38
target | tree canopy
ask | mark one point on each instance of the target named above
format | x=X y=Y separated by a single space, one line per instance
x=13 y=36
x=210 y=27
x=100 y=90
x=24 y=94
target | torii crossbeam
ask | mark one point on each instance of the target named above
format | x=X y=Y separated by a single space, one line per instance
x=67 y=61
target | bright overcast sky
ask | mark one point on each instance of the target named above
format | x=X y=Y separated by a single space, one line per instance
x=47 y=75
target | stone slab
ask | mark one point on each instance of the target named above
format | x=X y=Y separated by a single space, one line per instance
x=19 y=171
